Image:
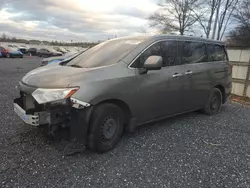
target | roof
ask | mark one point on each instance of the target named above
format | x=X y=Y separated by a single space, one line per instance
x=162 y=36
x=183 y=37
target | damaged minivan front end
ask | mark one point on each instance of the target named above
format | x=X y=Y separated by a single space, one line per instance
x=53 y=107
x=44 y=103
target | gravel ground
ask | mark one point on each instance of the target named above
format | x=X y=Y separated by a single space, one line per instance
x=191 y=150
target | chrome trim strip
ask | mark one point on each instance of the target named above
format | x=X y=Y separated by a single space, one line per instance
x=144 y=51
x=206 y=42
x=78 y=103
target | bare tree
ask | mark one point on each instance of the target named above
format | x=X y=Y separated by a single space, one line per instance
x=217 y=13
x=175 y=15
x=206 y=14
x=227 y=9
x=216 y=18
x=143 y=30
x=3 y=37
x=241 y=34
x=242 y=14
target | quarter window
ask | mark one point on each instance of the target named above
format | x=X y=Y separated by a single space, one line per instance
x=217 y=52
x=193 y=52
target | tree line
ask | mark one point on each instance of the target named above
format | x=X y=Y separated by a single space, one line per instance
x=5 y=38
x=213 y=17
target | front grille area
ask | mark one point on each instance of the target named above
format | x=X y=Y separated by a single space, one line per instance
x=29 y=104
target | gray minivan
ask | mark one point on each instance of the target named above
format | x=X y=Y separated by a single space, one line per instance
x=122 y=83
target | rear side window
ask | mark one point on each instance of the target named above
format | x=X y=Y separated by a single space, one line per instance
x=217 y=52
x=193 y=52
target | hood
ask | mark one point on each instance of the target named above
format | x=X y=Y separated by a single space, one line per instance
x=51 y=76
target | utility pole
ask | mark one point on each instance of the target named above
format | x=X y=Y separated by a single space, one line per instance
x=216 y=18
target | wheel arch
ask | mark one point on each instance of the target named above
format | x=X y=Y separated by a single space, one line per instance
x=223 y=92
x=121 y=104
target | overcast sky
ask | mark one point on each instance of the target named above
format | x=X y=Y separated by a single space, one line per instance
x=77 y=20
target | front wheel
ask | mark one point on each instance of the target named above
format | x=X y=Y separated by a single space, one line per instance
x=8 y=55
x=214 y=102
x=106 y=127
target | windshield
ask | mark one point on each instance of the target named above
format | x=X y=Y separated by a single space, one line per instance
x=106 y=53
x=69 y=58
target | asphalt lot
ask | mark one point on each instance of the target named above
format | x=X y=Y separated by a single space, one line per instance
x=191 y=150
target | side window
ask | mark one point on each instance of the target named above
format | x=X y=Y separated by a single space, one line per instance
x=193 y=52
x=170 y=57
x=217 y=52
x=155 y=49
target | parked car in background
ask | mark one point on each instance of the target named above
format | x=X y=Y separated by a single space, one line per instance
x=69 y=55
x=19 y=47
x=22 y=49
x=60 y=49
x=126 y=82
x=48 y=52
x=32 y=51
x=10 y=52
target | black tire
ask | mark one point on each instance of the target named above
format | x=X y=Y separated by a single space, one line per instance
x=106 y=128
x=8 y=55
x=214 y=102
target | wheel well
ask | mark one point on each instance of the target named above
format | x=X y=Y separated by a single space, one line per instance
x=125 y=108
x=222 y=90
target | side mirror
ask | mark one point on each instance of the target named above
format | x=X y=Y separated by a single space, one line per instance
x=153 y=62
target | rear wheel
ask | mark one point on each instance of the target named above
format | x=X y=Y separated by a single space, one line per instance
x=214 y=102
x=106 y=128
x=8 y=55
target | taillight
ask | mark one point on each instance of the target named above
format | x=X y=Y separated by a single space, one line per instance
x=231 y=68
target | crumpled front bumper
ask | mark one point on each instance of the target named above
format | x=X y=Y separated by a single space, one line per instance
x=72 y=116
x=35 y=119
x=29 y=119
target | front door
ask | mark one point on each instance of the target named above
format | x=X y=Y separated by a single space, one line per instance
x=159 y=91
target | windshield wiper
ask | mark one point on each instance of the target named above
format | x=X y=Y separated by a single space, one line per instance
x=77 y=66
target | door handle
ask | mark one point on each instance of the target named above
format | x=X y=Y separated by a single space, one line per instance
x=176 y=75
x=188 y=73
